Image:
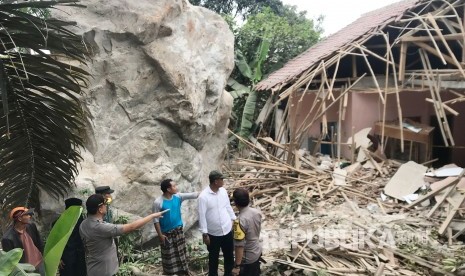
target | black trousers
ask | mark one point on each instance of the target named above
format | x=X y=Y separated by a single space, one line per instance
x=226 y=244
x=252 y=269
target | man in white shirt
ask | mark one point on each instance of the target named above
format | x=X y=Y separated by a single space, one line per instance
x=215 y=220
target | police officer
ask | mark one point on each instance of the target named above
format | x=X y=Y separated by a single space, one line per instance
x=106 y=192
x=247 y=228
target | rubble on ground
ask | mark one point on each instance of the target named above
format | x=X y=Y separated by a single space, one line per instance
x=322 y=215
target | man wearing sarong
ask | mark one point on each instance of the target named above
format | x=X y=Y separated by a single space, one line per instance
x=169 y=228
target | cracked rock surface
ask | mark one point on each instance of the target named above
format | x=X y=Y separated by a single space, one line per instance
x=156 y=99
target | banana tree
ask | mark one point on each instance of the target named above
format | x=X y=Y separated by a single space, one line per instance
x=253 y=72
x=42 y=118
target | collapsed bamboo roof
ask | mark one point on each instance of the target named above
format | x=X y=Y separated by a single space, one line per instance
x=414 y=45
x=361 y=29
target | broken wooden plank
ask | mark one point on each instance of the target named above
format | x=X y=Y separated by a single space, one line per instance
x=450 y=216
x=448 y=182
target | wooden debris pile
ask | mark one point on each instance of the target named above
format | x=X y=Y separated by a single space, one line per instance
x=273 y=182
x=448 y=196
x=302 y=195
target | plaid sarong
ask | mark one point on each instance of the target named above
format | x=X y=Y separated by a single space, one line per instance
x=174 y=252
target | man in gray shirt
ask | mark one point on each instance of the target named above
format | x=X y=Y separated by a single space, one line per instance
x=246 y=229
x=97 y=236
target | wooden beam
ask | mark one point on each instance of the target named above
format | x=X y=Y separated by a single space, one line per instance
x=446 y=107
x=443 y=9
x=396 y=85
x=433 y=51
x=366 y=50
x=403 y=60
x=373 y=75
x=451 y=215
x=433 y=86
x=441 y=36
x=463 y=36
x=433 y=193
x=354 y=66
x=458 y=36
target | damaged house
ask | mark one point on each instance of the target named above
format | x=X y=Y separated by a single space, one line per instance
x=388 y=87
x=401 y=65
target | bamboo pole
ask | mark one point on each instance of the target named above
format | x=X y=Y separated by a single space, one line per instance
x=330 y=105
x=396 y=85
x=339 y=132
x=437 y=105
x=373 y=76
x=434 y=51
x=451 y=53
x=403 y=60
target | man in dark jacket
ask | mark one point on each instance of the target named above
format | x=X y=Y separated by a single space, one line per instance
x=73 y=260
x=24 y=234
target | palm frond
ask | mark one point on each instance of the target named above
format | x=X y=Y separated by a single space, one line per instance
x=41 y=111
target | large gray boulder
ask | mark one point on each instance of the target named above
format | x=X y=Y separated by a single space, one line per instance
x=156 y=99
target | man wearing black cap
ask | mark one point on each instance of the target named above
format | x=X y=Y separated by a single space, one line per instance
x=106 y=192
x=23 y=234
x=215 y=221
x=97 y=236
x=73 y=260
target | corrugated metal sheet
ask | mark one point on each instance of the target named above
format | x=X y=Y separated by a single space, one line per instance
x=331 y=44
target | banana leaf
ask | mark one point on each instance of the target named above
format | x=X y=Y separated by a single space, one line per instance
x=9 y=264
x=24 y=270
x=262 y=53
x=242 y=65
x=248 y=115
x=238 y=90
x=58 y=238
x=9 y=260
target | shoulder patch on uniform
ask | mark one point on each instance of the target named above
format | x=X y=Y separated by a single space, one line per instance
x=239 y=233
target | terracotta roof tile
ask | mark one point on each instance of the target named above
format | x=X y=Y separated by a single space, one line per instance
x=366 y=23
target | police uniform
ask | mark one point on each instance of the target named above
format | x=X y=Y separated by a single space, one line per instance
x=103 y=190
x=247 y=234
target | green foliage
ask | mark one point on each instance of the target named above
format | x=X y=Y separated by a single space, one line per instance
x=237 y=90
x=253 y=71
x=9 y=260
x=9 y=264
x=126 y=269
x=248 y=115
x=297 y=199
x=150 y=256
x=41 y=112
x=236 y=8
x=264 y=43
x=198 y=255
x=126 y=243
x=58 y=238
x=289 y=34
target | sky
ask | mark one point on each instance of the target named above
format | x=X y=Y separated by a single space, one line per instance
x=338 y=13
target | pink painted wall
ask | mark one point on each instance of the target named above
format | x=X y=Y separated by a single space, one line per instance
x=364 y=110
